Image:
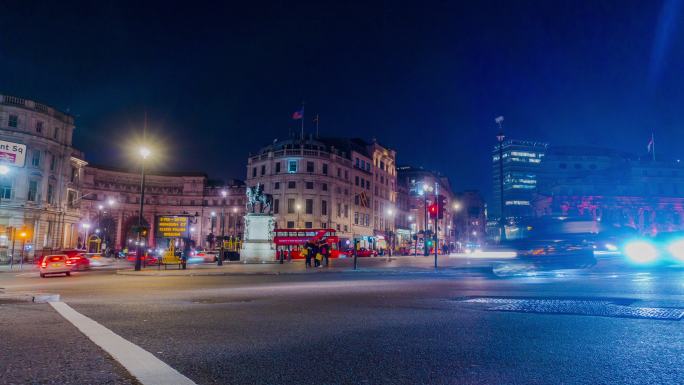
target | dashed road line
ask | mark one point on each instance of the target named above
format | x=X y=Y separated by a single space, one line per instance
x=147 y=368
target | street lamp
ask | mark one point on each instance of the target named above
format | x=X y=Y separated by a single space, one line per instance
x=299 y=208
x=223 y=226
x=235 y=210
x=144 y=154
x=500 y=137
x=388 y=231
x=426 y=188
x=85 y=226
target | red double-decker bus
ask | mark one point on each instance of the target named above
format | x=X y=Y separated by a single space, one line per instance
x=291 y=241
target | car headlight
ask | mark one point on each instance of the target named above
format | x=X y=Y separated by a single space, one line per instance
x=676 y=248
x=641 y=252
x=611 y=247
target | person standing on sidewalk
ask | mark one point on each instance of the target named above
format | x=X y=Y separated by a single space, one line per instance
x=307 y=255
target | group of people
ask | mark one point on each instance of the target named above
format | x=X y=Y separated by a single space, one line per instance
x=318 y=252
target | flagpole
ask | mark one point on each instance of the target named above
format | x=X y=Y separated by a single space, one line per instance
x=653 y=150
x=302 y=135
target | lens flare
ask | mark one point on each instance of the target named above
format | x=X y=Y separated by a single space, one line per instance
x=676 y=248
x=641 y=252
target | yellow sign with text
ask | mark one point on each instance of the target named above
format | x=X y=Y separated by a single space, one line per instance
x=172 y=226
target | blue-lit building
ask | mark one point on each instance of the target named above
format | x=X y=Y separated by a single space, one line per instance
x=521 y=165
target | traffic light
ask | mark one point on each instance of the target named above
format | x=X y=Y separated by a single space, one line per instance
x=441 y=206
x=432 y=211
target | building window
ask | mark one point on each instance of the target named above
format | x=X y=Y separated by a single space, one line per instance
x=32 y=191
x=13 y=121
x=356 y=180
x=276 y=186
x=309 y=206
x=291 y=166
x=6 y=188
x=324 y=186
x=324 y=207
x=324 y=225
x=276 y=206
x=263 y=169
x=339 y=172
x=291 y=184
x=346 y=174
x=51 y=194
x=356 y=218
x=277 y=168
x=308 y=225
x=325 y=169
x=71 y=198
x=346 y=211
x=74 y=174
x=39 y=127
x=356 y=199
x=290 y=224
x=309 y=166
x=254 y=172
x=309 y=185
x=35 y=160
x=55 y=133
x=53 y=162
x=290 y=206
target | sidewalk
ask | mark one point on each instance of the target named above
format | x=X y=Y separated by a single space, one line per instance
x=394 y=265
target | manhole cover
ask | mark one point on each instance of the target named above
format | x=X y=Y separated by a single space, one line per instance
x=603 y=308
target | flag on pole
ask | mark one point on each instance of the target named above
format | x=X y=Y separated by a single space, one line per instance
x=651 y=146
x=299 y=114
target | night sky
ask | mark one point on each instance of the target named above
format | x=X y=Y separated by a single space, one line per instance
x=426 y=77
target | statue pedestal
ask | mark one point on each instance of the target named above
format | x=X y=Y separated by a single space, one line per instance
x=257 y=246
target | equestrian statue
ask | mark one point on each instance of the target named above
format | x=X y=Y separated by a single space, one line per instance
x=256 y=195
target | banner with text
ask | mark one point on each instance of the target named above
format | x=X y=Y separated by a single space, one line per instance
x=172 y=226
x=12 y=153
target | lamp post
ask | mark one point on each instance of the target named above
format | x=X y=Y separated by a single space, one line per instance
x=235 y=211
x=388 y=232
x=86 y=227
x=223 y=226
x=426 y=188
x=456 y=206
x=500 y=138
x=211 y=232
x=298 y=207
x=413 y=228
x=144 y=154
x=22 y=235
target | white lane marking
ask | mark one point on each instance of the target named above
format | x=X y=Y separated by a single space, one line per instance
x=147 y=368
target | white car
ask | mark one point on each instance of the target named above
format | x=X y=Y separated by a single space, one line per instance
x=97 y=260
x=55 y=264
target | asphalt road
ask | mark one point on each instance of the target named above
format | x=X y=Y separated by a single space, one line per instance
x=368 y=328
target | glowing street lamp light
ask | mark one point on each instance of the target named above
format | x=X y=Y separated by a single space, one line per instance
x=4 y=170
x=144 y=154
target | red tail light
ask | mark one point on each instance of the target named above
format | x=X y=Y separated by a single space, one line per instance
x=43 y=264
x=69 y=262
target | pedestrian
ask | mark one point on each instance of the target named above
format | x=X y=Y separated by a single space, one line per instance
x=325 y=251
x=317 y=255
x=307 y=255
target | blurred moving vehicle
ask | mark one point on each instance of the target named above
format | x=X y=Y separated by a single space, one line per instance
x=204 y=256
x=79 y=262
x=55 y=264
x=97 y=260
x=363 y=252
x=147 y=260
x=663 y=249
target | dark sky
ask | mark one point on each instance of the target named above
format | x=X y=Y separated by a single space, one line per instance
x=426 y=77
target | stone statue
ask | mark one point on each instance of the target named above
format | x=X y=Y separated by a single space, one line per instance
x=256 y=195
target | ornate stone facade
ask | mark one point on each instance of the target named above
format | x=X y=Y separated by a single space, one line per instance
x=111 y=203
x=38 y=198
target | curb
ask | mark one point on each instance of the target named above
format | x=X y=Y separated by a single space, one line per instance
x=442 y=271
x=30 y=297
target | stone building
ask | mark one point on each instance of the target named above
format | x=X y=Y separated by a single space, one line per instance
x=345 y=184
x=110 y=204
x=611 y=187
x=421 y=185
x=40 y=183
